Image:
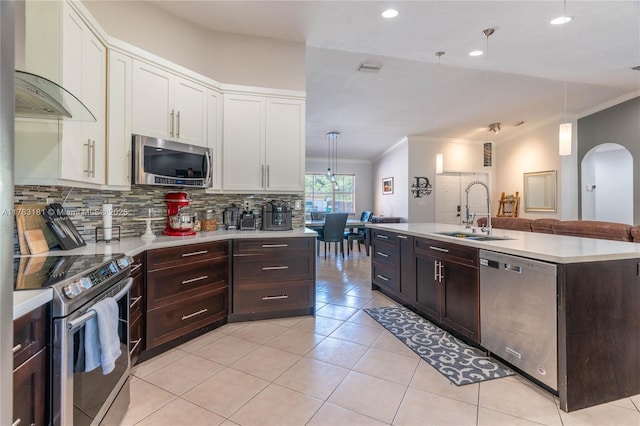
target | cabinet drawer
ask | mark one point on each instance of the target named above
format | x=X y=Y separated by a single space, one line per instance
x=29 y=334
x=384 y=276
x=448 y=251
x=273 y=268
x=272 y=245
x=29 y=384
x=136 y=337
x=252 y=298
x=382 y=252
x=172 y=285
x=171 y=321
x=176 y=256
x=384 y=236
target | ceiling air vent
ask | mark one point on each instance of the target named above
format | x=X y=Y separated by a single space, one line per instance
x=369 y=68
x=637 y=68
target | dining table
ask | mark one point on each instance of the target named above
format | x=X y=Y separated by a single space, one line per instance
x=350 y=226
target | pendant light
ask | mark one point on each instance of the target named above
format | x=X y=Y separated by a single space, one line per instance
x=566 y=129
x=494 y=127
x=332 y=155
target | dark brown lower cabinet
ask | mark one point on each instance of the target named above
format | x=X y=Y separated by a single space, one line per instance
x=273 y=278
x=30 y=367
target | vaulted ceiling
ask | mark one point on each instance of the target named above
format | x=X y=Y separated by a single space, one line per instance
x=522 y=79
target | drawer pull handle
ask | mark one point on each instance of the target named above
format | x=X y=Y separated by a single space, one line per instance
x=195 y=253
x=379 y=253
x=273 y=268
x=282 y=296
x=439 y=249
x=383 y=278
x=200 y=312
x=135 y=344
x=192 y=280
x=136 y=267
x=17 y=422
x=134 y=301
x=382 y=237
x=17 y=347
x=274 y=245
x=404 y=237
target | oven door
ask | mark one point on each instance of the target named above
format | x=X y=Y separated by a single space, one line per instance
x=79 y=397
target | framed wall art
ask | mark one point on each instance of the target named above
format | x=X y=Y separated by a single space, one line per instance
x=387 y=186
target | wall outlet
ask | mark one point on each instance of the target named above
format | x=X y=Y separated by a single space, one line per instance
x=298 y=205
x=591 y=187
x=49 y=200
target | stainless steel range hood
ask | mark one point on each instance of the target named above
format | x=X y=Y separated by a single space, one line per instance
x=37 y=97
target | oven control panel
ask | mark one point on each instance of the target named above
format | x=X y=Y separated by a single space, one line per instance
x=94 y=278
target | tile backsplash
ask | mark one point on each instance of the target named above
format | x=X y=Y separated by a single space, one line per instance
x=84 y=206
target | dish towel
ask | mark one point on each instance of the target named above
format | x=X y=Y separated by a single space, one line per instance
x=101 y=338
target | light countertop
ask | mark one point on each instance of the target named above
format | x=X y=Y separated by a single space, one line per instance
x=548 y=247
x=25 y=301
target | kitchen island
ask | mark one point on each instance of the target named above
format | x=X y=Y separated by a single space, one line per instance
x=426 y=267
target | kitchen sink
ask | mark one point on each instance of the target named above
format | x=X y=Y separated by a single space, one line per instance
x=473 y=236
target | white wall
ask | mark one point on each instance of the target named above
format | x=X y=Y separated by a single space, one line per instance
x=227 y=58
x=393 y=164
x=537 y=151
x=361 y=169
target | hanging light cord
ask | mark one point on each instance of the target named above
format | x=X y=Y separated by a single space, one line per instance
x=564 y=40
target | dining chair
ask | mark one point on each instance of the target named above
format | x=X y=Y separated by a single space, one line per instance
x=333 y=231
x=359 y=234
x=317 y=215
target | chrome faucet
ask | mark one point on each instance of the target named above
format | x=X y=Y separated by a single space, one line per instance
x=468 y=222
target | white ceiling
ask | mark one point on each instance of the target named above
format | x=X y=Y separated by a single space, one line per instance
x=522 y=78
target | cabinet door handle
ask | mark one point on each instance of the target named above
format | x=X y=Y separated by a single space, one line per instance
x=171 y=122
x=441 y=268
x=195 y=253
x=382 y=277
x=404 y=237
x=178 y=124
x=435 y=270
x=382 y=237
x=262 y=175
x=439 y=249
x=192 y=280
x=127 y=169
x=274 y=268
x=134 y=301
x=274 y=245
x=17 y=347
x=379 y=253
x=268 y=176
x=282 y=296
x=135 y=344
x=93 y=158
x=200 y=312
x=88 y=169
x=17 y=422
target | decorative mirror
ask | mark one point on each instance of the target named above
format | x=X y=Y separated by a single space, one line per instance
x=540 y=191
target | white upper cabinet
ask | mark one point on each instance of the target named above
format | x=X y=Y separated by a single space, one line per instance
x=214 y=135
x=168 y=106
x=60 y=46
x=263 y=144
x=119 y=120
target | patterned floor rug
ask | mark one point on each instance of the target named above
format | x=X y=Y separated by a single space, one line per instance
x=459 y=362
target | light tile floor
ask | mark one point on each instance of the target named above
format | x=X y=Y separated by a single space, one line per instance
x=338 y=368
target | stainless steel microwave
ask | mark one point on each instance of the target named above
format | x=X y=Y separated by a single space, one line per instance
x=168 y=163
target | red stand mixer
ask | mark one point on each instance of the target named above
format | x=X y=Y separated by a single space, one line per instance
x=179 y=223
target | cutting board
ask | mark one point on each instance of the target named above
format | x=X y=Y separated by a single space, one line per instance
x=36 y=241
x=29 y=217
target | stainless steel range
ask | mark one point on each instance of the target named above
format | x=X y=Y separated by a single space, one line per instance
x=81 y=397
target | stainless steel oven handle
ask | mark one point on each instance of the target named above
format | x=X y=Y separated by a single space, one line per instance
x=135 y=267
x=75 y=324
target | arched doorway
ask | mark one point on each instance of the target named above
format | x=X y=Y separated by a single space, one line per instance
x=607 y=184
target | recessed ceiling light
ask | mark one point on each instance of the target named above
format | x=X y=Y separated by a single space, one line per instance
x=390 y=13
x=560 y=20
x=476 y=53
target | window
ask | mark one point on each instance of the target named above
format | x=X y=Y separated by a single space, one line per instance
x=321 y=194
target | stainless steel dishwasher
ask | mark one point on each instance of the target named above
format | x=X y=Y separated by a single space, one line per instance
x=518 y=313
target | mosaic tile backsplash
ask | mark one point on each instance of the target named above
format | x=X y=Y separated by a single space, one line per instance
x=84 y=206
